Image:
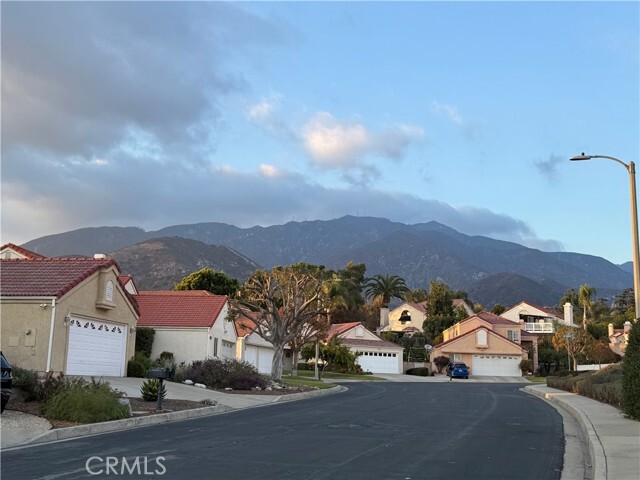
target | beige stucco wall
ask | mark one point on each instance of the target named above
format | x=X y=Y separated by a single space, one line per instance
x=186 y=344
x=417 y=318
x=20 y=315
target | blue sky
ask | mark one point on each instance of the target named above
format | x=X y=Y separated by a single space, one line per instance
x=156 y=114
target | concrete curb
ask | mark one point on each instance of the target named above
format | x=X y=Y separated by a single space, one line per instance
x=596 y=450
x=135 y=422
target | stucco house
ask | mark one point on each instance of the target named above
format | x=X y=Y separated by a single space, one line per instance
x=407 y=318
x=65 y=315
x=375 y=355
x=251 y=347
x=191 y=324
x=487 y=343
x=539 y=319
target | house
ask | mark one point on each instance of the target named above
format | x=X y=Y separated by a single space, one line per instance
x=65 y=315
x=539 y=319
x=619 y=338
x=191 y=324
x=487 y=343
x=251 y=347
x=374 y=354
x=407 y=318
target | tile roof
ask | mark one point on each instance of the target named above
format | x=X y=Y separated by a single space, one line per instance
x=421 y=306
x=492 y=319
x=181 y=308
x=22 y=251
x=546 y=310
x=47 y=277
x=244 y=326
x=490 y=332
x=340 y=328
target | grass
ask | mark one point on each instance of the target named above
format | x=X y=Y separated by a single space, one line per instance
x=304 y=381
x=341 y=376
x=537 y=379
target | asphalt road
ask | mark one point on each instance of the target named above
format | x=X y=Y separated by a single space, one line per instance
x=383 y=431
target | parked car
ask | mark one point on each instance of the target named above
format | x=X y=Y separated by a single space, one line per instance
x=6 y=381
x=457 y=370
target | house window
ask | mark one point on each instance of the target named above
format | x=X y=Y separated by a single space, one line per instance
x=215 y=347
x=108 y=292
x=457 y=357
x=513 y=335
x=405 y=316
x=481 y=338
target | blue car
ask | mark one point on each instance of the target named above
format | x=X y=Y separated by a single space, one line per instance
x=457 y=370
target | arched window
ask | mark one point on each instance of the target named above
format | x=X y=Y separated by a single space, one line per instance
x=108 y=292
x=481 y=337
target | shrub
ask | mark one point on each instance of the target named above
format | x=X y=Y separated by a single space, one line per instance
x=85 y=402
x=420 y=371
x=144 y=340
x=27 y=381
x=441 y=362
x=526 y=366
x=631 y=374
x=604 y=385
x=227 y=373
x=136 y=369
x=150 y=388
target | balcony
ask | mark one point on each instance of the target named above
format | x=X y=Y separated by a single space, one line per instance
x=539 y=327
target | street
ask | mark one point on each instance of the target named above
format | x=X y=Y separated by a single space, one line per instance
x=374 y=431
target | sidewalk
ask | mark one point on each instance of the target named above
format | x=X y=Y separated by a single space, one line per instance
x=614 y=441
x=17 y=428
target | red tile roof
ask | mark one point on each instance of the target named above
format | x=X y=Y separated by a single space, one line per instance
x=22 y=251
x=244 y=326
x=421 y=307
x=492 y=319
x=340 y=328
x=47 y=277
x=181 y=308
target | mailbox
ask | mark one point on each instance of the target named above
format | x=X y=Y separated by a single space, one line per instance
x=159 y=373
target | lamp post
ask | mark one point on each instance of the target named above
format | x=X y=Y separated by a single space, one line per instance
x=631 y=168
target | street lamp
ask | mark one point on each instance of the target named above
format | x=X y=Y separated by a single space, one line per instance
x=631 y=168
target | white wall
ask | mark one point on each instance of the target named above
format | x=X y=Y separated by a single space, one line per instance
x=186 y=344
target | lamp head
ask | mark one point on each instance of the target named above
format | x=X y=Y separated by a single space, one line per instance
x=581 y=157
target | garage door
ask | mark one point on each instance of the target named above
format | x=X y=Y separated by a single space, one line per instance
x=496 y=365
x=379 y=362
x=261 y=358
x=96 y=348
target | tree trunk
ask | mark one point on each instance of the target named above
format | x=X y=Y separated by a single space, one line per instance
x=276 y=365
x=294 y=363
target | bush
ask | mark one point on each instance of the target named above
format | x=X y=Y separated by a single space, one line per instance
x=144 y=340
x=227 y=373
x=604 y=385
x=150 y=388
x=441 y=362
x=526 y=366
x=631 y=374
x=85 y=402
x=419 y=371
x=35 y=389
x=138 y=366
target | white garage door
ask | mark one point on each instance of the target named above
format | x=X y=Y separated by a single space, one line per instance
x=379 y=362
x=261 y=358
x=96 y=348
x=496 y=365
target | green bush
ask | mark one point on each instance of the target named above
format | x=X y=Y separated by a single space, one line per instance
x=526 y=366
x=85 y=402
x=604 y=385
x=227 y=373
x=144 y=340
x=136 y=369
x=631 y=374
x=419 y=371
x=441 y=362
x=27 y=381
x=150 y=389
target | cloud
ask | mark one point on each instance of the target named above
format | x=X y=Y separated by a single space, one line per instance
x=548 y=168
x=449 y=111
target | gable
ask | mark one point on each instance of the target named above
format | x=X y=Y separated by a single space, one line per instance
x=468 y=342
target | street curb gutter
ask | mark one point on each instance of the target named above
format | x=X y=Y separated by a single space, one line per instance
x=596 y=450
x=134 y=422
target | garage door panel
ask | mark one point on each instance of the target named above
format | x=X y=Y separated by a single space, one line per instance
x=496 y=365
x=378 y=362
x=95 y=348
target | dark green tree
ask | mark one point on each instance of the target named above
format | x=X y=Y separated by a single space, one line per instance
x=385 y=287
x=207 y=279
x=498 y=309
x=631 y=374
x=440 y=301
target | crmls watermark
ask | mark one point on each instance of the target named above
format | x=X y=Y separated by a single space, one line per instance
x=122 y=466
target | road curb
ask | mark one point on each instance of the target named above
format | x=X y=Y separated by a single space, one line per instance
x=135 y=422
x=596 y=450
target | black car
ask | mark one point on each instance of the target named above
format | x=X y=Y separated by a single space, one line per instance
x=6 y=382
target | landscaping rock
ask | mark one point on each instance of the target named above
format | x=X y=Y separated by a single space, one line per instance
x=188 y=382
x=200 y=385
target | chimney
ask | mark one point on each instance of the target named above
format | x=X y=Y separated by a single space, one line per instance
x=610 y=327
x=99 y=256
x=627 y=327
x=568 y=314
x=384 y=317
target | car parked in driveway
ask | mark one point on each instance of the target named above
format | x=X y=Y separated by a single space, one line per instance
x=6 y=381
x=457 y=370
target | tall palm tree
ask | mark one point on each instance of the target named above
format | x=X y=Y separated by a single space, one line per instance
x=385 y=287
x=584 y=300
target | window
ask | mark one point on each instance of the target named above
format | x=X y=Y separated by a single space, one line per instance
x=513 y=335
x=108 y=292
x=457 y=357
x=215 y=347
x=481 y=338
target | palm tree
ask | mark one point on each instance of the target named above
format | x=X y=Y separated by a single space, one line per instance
x=584 y=300
x=384 y=288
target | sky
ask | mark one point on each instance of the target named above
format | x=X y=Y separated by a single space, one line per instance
x=261 y=113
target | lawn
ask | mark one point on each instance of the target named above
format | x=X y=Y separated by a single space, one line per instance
x=341 y=376
x=304 y=381
x=537 y=379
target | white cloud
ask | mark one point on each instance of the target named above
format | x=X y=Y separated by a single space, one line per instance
x=449 y=111
x=269 y=171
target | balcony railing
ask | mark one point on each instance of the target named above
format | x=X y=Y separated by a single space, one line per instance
x=539 y=327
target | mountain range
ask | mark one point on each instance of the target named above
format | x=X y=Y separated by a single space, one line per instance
x=491 y=271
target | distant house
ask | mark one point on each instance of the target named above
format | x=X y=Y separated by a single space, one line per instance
x=407 y=318
x=191 y=324
x=619 y=338
x=65 y=315
x=251 y=347
x=489 y=344
x=539 y=319
x=374 y=354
